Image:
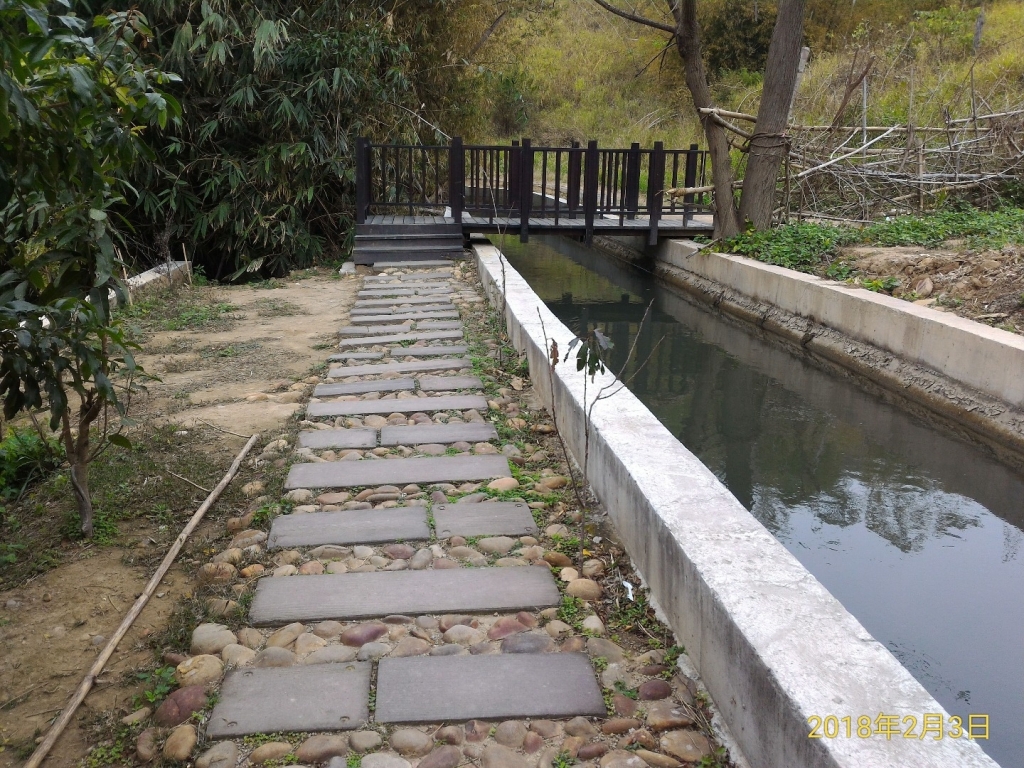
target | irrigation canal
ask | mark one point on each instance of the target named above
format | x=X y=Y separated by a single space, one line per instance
x=919 y=535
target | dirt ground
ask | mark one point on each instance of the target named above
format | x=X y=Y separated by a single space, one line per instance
x=241 y=373
x=987 y=287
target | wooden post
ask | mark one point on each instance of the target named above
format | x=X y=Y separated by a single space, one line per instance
x=362 y=179
x=590 y=191
x=690 y=179
x=632 y=196
x=456 y=179
x=920 y=174
x=514 y=161
x=525 y=191
x=572 y=196
x=655 y=187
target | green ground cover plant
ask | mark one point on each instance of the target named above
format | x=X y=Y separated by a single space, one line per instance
x=809 y=247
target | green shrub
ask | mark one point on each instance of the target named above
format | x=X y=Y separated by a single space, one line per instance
x=25 y=457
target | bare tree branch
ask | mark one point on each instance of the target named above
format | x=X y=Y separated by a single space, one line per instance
x=634 y=17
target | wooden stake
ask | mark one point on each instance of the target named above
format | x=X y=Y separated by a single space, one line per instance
x=90 y=679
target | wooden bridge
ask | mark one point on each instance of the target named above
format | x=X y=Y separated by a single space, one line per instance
x=419 y=202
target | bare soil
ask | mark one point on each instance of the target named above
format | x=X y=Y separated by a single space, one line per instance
x=237 y=370
x=987 y=287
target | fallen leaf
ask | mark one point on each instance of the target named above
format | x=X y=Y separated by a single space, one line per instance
x=517 y=383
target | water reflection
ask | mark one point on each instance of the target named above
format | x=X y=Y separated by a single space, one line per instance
x=918 y=534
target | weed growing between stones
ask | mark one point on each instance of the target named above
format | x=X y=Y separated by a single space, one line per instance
x=158 y=683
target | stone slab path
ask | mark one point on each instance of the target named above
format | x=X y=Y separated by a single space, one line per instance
x=354 y=527
x=351 y=596
x=443 y=688
x=357 y=474
x=314 y=698
x=452 y=632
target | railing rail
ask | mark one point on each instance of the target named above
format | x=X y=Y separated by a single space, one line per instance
x=519 y=182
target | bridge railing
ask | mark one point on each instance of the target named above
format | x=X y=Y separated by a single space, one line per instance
x=517 y=183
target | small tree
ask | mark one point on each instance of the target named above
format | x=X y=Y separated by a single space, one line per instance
x=768 y=145
x=74 y=97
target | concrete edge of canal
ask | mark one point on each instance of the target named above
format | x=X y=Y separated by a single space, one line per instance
x=773 y=646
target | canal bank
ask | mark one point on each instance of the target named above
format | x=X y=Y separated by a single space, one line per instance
x=933 y=363
x=691 y=587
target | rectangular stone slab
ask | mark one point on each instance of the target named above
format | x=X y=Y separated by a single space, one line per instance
x=454 y=349
x=437 y=325
x=398 y=318
x=367 y=330
x=420 y=275
x=444 y=383
x=381 y=302
x=357 y=356
x=414 y=284
x=428 y=404
x=370 y=293
x=508 y=685
x=350 y=474
x=375 y=293
x=357 y=526
x=416 y=310
x=364 y=341
x=410 y=367
x=393 y=309
x=338 y=438
x=320 y=697
x=359 y=387
x=349 y=596
x=487 y=518
x=404 y=405
x=423 y=264
x=437 y=433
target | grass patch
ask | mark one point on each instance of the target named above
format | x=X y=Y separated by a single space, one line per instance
x=809 y=247
x=128 y=486
x=277 y=308
x=178 y=309
x=24 y=457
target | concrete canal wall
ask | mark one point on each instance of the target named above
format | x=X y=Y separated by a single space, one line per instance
x=933 y=361
x=773 y=646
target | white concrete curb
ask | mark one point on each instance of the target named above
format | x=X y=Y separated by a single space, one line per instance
x=987 y=359
x=771 y=644
x=161 y=276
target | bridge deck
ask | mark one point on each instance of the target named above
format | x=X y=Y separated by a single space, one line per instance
x=668 y=226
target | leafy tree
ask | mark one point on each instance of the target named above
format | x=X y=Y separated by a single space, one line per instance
x=73 y=99
x=259 y=174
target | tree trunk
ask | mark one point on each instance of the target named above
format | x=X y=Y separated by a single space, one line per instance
x=77 y=449
x=769 y=145
x=688 y=42
x=80 y=484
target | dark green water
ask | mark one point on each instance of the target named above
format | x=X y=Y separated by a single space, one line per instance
x=918 y=534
